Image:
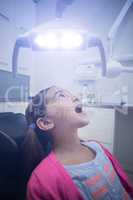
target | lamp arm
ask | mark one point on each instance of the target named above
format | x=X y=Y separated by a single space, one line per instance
x=20 y=42
x=96 y=42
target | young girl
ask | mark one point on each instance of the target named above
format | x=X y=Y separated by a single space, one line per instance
x=69 y=169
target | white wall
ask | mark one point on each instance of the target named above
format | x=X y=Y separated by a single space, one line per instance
x=16 y=17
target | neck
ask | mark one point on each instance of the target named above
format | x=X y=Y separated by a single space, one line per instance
x=66 y=141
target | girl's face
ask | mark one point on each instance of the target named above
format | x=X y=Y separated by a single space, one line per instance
x=64 y=109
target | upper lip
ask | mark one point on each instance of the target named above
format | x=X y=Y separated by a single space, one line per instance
x=79 y=105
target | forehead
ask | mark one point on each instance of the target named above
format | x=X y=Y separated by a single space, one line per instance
x=53 y=90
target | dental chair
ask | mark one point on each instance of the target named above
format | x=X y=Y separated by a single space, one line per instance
x=12 y=133
x=14 y=125
x=12 y=173
x=8 y=167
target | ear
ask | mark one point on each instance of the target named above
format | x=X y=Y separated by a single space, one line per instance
x=45 y=124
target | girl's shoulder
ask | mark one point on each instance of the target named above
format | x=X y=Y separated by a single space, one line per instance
x=46 y=165
x=45 y=173
x=92 y=143
x=44 y=168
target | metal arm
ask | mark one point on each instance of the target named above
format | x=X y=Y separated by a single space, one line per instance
x=20 y=42
x=116 y=25
x=96 y=42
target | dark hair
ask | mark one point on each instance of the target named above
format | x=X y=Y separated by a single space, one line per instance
x=37 y=143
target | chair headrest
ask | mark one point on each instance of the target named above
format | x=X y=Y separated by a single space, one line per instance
x=8 y=154
x=13 y=124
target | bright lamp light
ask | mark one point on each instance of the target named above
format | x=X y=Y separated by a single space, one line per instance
x=59 y=40
x=48 y=40
x=70 y=40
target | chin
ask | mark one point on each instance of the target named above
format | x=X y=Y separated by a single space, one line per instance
x=82 y=121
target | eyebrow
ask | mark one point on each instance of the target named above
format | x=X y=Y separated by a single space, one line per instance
x=58 y=91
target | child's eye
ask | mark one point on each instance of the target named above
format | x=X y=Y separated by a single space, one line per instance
x=76 y=99
x=61 y=95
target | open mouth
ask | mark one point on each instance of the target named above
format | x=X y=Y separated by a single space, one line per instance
x=78 y=108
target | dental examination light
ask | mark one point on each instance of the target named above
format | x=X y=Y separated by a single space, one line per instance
x=59 y=39
x=66 y=40
x=49 y=41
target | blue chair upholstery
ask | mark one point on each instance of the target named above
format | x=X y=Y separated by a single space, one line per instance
x=12 y=133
